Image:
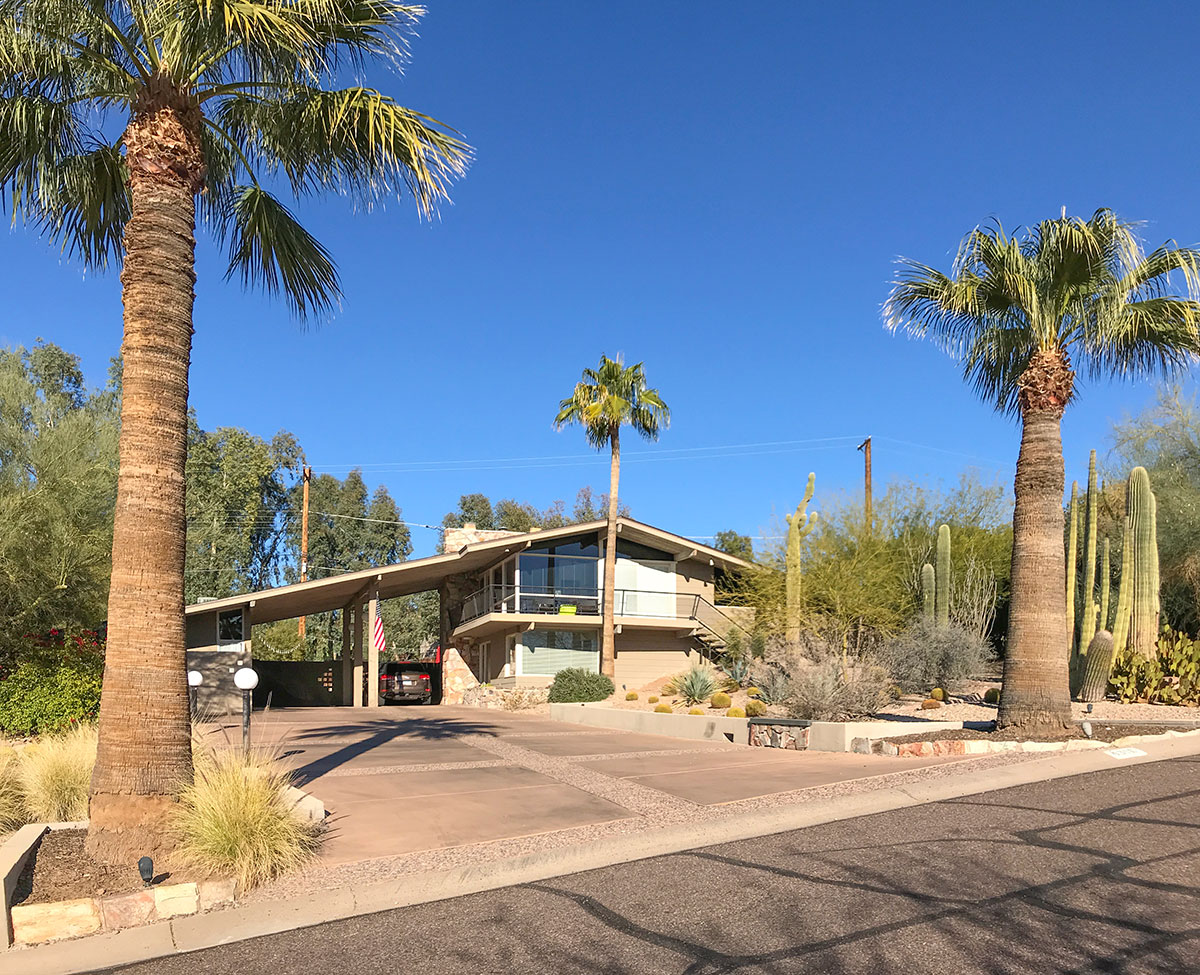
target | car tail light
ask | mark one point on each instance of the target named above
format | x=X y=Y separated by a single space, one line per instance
x=424 y=677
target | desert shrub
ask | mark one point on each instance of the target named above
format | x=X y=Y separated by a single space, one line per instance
x=574 y=685
x=12 y=802
x=938 y=694
x=696 y=711
x=522 y=698
x=991 y=695
x=825 y=693
x=652 y=699
x=663 y=709
x=721 y=700
x=696 y=684
x=37 y=699
x=926 y=655
x=54 y=775
x=735 y=713
x=631 y=696
x=755 y=709
x=773 y=685
x=930 y=703
x=235 y=819
x=668 y=689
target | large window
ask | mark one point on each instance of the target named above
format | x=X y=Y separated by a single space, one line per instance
x=546 y=652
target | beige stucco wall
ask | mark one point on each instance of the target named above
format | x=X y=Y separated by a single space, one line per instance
x=695 y=577
x=646 y=655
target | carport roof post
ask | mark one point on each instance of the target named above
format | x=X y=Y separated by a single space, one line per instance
x=421 y=575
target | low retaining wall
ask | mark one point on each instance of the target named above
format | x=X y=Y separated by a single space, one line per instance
x=714 y=727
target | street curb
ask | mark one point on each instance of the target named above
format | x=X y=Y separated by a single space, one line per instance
x=200 y=931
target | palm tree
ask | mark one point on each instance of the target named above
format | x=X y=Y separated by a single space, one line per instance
x=116 y=118
x=605 y=399
x=1017 y=312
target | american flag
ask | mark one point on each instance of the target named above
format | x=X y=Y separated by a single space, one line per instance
x=377 y=636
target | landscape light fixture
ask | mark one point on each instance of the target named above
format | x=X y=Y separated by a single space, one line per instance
x=195 y=679
x=246 y=680
x=146 y=869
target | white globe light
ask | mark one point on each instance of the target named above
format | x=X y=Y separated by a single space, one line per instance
x=195 y=678
x=245 y=679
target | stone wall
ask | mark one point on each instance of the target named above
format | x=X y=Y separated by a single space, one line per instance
x=457 y=679
x=779 y=736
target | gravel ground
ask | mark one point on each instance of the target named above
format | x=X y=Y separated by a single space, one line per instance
x=1100 y=731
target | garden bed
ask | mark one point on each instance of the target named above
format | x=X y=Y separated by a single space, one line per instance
x=61 y=869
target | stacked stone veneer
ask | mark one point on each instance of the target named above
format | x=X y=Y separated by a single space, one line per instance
x=457 y=679
x=779 y=736
x=37 y=923
x=454 y=539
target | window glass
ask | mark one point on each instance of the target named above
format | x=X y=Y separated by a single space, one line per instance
x=555 y=574
x=635 y=550
x=229 y=626
x=583 y=545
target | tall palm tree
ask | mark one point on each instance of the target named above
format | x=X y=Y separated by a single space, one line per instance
x=118 y=117
x=605 y=399
x=1017 y=312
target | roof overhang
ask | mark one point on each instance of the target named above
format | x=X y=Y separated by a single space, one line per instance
x=420 y=575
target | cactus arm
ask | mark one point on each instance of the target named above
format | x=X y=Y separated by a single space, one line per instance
x=1105 y=583
x=1141 y=511
x=1072 y=559
x=928 y=588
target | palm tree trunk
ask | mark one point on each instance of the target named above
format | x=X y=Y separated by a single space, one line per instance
x=608 y=640
x=145 y=755
x=1036 y=697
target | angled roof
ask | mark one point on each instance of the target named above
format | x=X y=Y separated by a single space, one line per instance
x=419 y=575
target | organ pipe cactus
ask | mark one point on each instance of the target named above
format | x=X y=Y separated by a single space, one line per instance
x=941 y=599
x=1105 y=582
x=1072 y=562
x=799 y=525
x=1087 y=621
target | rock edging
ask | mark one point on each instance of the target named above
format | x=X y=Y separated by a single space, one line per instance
x=978 y=746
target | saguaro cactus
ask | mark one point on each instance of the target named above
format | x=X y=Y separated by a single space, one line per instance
x=941 y=599
x=799 y=525
x=1097 y=667
x=1087 y=620
x=1141 y=515
x=1072 y=563
x=928 y=588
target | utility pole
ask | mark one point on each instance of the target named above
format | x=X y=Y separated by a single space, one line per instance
x=307 y=476
x=865 y=447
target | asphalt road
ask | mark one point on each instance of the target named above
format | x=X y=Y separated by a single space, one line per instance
x=1095 y=873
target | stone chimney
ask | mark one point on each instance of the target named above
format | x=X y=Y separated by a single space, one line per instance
x=454 y=539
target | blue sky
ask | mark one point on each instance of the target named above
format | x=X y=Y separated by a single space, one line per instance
x=717 y=190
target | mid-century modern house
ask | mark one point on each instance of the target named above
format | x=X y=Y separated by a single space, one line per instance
x=518 y=607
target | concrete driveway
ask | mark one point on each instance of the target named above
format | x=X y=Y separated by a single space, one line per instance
x=406 y=779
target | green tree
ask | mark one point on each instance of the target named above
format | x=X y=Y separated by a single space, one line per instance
x=210 y=103
x=734 y=544
x=473 y=509
x=238 y=491
x=1018 y=312
x=605 y=399
x=58 y=465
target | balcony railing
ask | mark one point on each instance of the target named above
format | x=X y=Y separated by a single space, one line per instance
x=567 y=601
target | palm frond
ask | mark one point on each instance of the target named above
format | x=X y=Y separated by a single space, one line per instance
x=269 y=249
x=353 y=140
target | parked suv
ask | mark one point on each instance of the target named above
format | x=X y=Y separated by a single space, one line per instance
x=405 y=681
